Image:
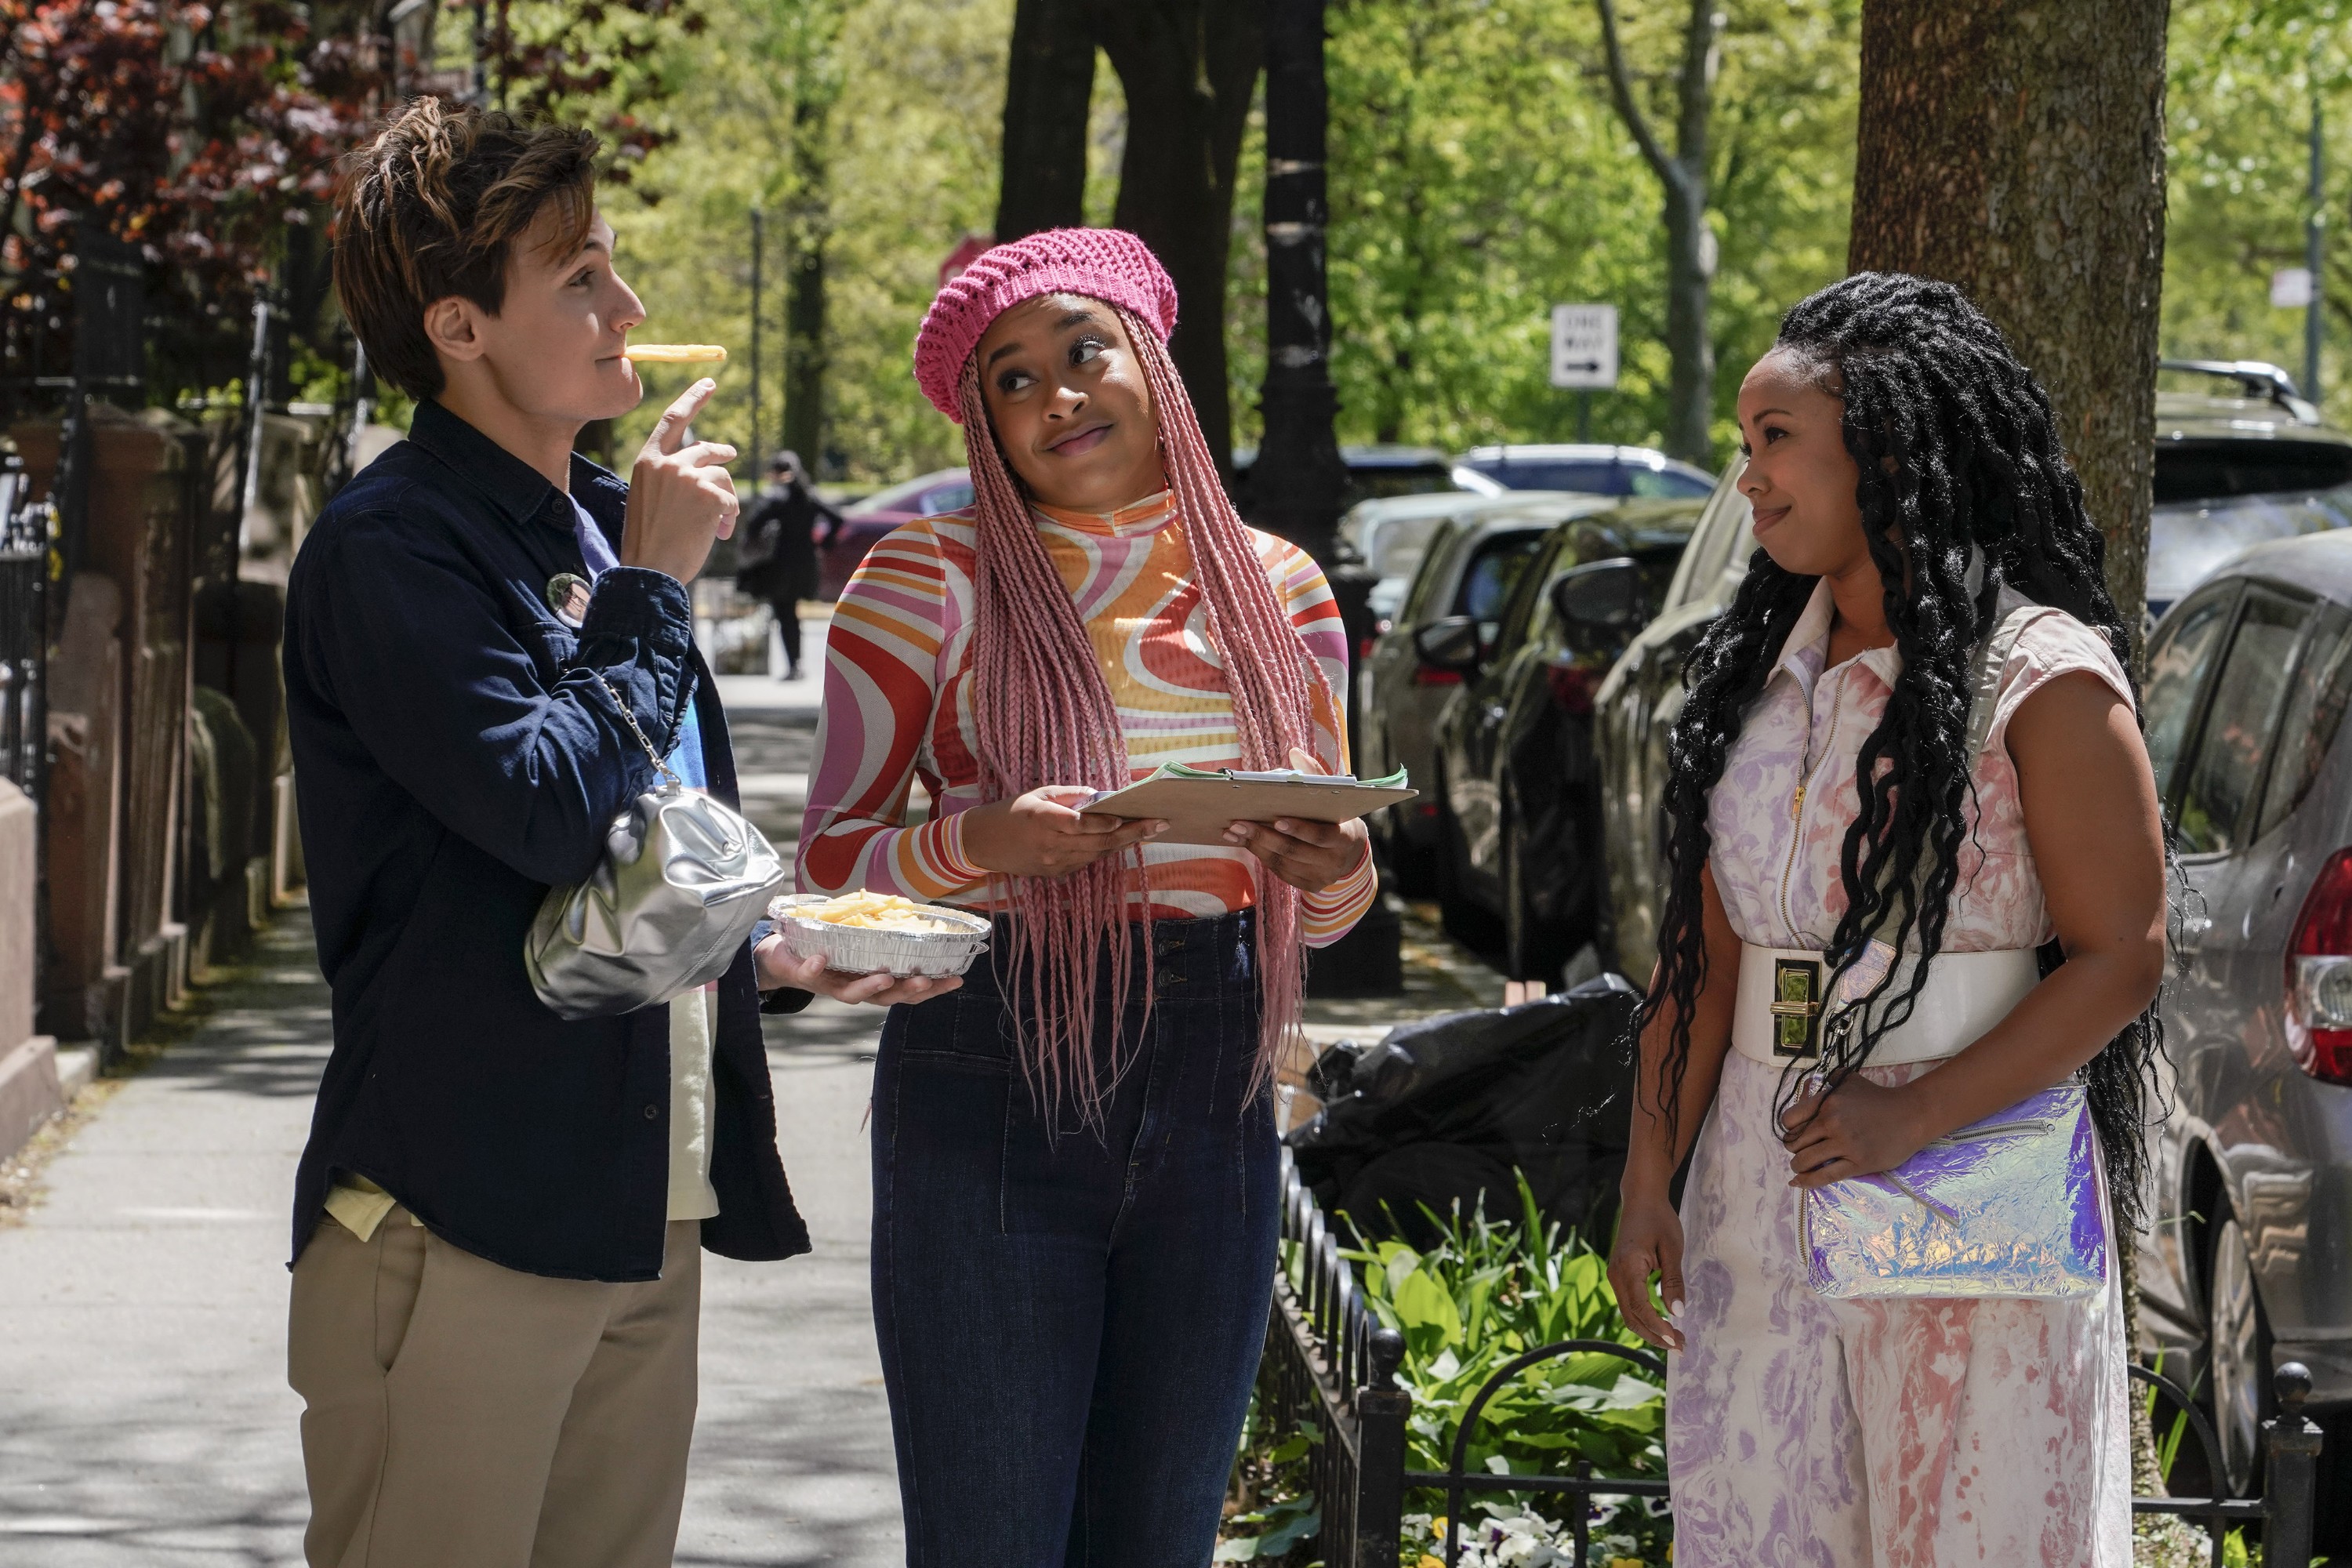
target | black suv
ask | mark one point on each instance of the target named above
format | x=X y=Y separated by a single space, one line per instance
x=1518 y=849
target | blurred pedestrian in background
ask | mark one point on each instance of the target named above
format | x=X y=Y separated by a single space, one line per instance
x=777 y=560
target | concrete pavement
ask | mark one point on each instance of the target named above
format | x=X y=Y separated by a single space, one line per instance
x=145 y=1417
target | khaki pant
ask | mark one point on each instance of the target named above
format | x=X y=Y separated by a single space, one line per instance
x=464 y=1415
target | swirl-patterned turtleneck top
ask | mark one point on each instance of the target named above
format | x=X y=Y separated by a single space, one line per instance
x=898 y=706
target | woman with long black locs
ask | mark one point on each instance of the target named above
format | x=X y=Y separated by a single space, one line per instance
x=1830 y=800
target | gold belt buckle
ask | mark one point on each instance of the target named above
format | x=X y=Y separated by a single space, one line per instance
x=1796 y=1006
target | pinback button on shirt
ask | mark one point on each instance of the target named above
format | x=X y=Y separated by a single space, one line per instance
x=454 y=758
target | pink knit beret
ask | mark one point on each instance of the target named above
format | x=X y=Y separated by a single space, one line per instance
x=1106 y=264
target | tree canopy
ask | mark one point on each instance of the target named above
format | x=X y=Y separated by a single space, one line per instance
x=1478 y=176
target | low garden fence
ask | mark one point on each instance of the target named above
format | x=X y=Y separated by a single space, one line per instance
x=1329 y=1368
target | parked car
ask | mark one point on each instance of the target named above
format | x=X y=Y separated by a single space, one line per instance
x=2249 y=1262
x=863 y=522
x=1387 y=537
x=1469 y=568
x=1589 y=470
x=2233 y=472
x=1518 y=838
x=1375 y=471
x=1635 y=708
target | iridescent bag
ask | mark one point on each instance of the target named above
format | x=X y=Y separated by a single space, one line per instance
x=2009 y=1207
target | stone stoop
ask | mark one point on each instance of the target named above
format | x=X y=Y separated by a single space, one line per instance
x=30 y=1091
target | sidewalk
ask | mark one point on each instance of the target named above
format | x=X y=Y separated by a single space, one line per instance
x=145 y=1417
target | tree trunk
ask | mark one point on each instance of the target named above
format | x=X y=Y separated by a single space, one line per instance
x=808 y=226
x=2017 y=149
x=1048 y=85
x=1690 y=245
x=1297 y=483
x=1188 y=68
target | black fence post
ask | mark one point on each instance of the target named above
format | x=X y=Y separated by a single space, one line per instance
x=1381 y=1411
x=2289 y=1487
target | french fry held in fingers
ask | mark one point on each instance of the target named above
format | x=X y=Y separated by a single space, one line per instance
x=676 y=354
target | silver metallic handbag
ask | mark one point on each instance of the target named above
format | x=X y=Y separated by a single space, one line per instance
x=2009 y=1207
x=682 y=882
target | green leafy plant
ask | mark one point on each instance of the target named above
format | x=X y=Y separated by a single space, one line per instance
x=1489 y=1289
x=1270 y=1508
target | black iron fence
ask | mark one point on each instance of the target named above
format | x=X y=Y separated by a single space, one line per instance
x=24 y=630
x=1329 y=1370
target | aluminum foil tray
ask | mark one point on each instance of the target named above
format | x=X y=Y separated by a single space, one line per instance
x=861 y=949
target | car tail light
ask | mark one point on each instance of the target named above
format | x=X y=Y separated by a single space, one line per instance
x=2319 y=976
x=1430 y=674
x=1364 y=646
x=1573 y=685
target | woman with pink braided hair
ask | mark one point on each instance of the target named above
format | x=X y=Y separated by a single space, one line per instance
x=1074 y=1155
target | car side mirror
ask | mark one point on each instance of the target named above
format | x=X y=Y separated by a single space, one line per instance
x=1451 y=644
x=1600 y=603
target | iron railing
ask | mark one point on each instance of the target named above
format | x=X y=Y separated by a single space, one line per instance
x=1331 y=1368
x=23 y=631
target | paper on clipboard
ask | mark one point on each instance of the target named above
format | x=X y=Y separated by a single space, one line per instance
x=1197 y=803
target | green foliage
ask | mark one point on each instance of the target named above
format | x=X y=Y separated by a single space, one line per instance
x=1479 y=177
x=911 y=165
x=2238 y=118
x=1489 y=1291
x=610 y=65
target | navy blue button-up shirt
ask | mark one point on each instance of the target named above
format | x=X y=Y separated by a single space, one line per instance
x=455 y=755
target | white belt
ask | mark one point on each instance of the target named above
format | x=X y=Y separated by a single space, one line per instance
x=1779 y=1013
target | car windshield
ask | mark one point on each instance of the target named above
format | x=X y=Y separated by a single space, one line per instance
x=1396 y=546
x=1379 y=483
x=1494 y=572
x=2186 y=542
x=906 y=496
x=2216 y=469
x=1592 y=476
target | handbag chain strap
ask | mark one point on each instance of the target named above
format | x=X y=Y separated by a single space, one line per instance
x=631 y=720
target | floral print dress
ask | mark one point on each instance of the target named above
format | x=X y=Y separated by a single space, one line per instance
x=1806 y=1431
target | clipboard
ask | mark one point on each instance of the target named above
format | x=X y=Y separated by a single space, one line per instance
x=1197 y=803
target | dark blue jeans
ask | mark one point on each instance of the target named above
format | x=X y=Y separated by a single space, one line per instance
x=1070 y=1322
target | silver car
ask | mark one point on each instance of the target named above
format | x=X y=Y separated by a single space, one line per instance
x=2248 y=1260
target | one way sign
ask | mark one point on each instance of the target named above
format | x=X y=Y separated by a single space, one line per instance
x=1584 y=346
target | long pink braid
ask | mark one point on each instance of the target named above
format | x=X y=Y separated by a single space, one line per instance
x=1043 y=715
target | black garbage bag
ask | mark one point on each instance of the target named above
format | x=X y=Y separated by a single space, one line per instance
x=1442 y=1112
